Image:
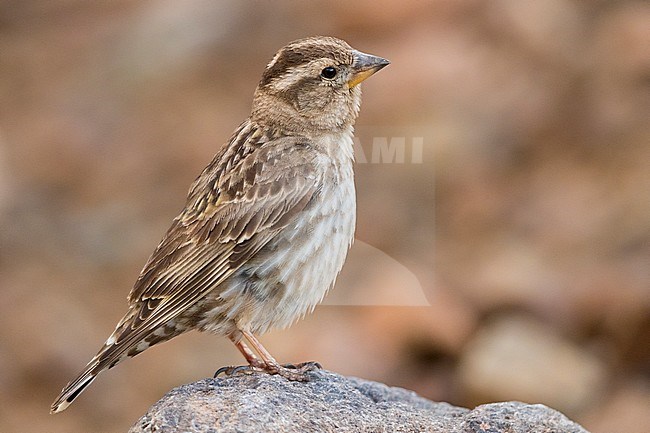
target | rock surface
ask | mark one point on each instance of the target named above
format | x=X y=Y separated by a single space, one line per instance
x=328 y=403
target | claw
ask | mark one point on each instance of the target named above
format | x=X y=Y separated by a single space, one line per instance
x=233 y=370
x=309 y=366
x=227 y=371
x=246 y=369
x=296 y=372
x=304 y=366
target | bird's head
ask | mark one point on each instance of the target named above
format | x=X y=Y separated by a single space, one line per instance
x=312 y=84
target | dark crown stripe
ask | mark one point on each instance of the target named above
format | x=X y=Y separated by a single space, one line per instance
x=296 y=55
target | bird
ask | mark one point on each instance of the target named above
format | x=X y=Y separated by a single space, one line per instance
x=266 y=225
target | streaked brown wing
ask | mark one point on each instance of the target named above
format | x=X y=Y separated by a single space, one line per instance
x=239 y=203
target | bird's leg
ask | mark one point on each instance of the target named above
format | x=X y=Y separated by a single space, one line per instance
x=253 y=360
x=266 y=356
x=254 y=363
x=268 y=364
x=297 y=373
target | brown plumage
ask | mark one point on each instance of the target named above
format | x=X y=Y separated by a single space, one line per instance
x=267 y=224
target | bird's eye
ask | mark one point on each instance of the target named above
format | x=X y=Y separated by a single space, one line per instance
x=328 y=72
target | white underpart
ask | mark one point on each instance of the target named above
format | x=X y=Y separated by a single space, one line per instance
x=308 y=268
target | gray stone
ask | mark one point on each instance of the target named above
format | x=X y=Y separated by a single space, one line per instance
x=518 y=358
x=331 y=403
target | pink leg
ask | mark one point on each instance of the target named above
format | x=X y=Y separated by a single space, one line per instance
x=253 y=360
x=271 y=366
x=266 y=356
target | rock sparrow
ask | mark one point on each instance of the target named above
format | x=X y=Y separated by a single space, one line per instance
x=267 y=224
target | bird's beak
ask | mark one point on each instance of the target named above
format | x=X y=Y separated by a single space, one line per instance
x=364 y=66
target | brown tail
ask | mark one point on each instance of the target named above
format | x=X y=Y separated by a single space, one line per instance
x=75 y=387
x=126 y=342
x=108 y=356
x=112 y=353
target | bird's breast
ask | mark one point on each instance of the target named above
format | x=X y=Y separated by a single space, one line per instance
x=294 y=271
x=302 y=263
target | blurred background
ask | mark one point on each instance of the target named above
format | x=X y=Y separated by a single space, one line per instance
x=518 y=238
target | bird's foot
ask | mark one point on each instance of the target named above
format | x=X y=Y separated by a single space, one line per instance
x=294 y=372
x=233 y=370
x=305 y=366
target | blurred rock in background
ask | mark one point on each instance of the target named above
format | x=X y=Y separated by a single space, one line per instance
x=516 y=244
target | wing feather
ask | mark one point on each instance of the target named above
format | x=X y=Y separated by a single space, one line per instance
x=252 y=189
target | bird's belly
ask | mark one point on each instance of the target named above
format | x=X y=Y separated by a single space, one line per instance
x=294 y=271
